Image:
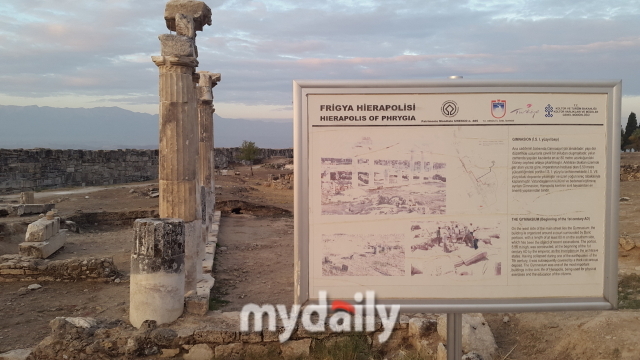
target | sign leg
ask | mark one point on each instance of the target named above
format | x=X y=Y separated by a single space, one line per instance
x=454 y=336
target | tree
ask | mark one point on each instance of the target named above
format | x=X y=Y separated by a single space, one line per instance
x=634 y=140
x=632 y=125
x=249 y=152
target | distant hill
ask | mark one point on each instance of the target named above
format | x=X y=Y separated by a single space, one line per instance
x=117 y=128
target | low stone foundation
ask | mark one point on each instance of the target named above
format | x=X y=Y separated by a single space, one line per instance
x=16 y=267
x=115 y=218
x=25 y=209
x=215 y=334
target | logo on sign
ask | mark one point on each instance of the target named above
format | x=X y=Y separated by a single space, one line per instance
x=449 y=108
x=498 y=108
x=549 y=110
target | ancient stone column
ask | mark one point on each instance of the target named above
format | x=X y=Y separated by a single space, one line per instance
x=208 y=81
x=196 y=244
x=157 y=271
x=179 y=126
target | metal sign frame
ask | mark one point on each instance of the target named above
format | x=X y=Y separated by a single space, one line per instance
x=608 y=300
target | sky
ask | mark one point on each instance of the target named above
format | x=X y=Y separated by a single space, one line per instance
x=90 y=53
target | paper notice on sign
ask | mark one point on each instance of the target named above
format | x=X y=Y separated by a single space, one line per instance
x=497 y=195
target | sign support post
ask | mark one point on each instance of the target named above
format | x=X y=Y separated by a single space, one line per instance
x=454 y=336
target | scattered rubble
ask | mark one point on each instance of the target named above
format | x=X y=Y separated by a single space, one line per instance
x=629 y=172
x=626 y=243
x=279 y=182
x=151 y=191
x=278 y=165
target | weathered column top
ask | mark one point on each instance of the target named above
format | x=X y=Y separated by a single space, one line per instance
x=185 y=17
x=198 y=11
x=208 y=81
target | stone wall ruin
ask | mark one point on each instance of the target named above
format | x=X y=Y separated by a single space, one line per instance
x=48 y=168
x=15 y=267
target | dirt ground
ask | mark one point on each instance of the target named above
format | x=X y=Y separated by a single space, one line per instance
x=254 y=263
x=24 y=319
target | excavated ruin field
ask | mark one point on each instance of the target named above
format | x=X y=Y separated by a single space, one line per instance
x=262 y=226
x=254 y=263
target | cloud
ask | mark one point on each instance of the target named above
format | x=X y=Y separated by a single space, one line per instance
x=102 y=48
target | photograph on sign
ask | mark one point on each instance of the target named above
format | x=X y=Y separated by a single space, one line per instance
x=363 y=255
x=456 y=248
x=457 y=195
x=383 y=178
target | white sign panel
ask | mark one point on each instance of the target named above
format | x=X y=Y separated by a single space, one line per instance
x=441 y=193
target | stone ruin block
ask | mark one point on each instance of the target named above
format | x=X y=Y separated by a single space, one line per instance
x=44 y=249
x=27 y=197
x=42 y=229
x=31 y=209
x=177 y=45
x=43 y=238
x=196 y=304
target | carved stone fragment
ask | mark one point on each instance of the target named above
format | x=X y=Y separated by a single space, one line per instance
x=198 y=10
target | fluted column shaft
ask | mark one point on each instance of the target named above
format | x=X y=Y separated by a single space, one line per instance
x=207 y=82
x=178 y=142
x=178 y=155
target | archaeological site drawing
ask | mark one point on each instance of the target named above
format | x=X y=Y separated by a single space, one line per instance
x=480 y=173
x=483 y=178
x=465 y=248
x=384 y=179
x=363 y=255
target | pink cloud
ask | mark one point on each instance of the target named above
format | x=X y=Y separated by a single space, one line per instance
x=619 y=44
x=77 y=81
x=388 y=60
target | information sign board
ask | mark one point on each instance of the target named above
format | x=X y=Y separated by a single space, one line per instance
x=458 y=196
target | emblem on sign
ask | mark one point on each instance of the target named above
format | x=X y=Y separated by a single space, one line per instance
x=548 y=110
x=449 y=108
x=498 y=108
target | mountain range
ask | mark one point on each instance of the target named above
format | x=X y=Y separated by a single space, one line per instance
x=116 y=128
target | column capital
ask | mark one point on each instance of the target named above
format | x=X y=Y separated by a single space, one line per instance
x=186 y=61
x=196 y=10
x=208 y=80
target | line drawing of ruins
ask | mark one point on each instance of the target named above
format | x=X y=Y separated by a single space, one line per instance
x=456 y=248
x=483 y=179
x=363 y=255
x=481 y=171
x=383 y=180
